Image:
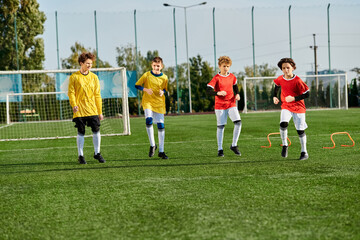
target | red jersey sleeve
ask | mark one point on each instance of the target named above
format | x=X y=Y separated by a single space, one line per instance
x=277 y=81
x=303 y=88
x=213 y=82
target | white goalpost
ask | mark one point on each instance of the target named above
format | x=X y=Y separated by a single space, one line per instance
x=328 y=91
x=36 y=106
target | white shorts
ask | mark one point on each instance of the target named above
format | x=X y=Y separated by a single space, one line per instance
x=157 y=117
x=298 y=118
x=221 y=115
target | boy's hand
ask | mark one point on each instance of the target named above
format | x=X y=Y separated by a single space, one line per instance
x=161 y=92
x=101 y=117
x=289 y=99
x=148 y=90
x=221 y=93
x=237 y=97
x=75 y=109
x=276 y=100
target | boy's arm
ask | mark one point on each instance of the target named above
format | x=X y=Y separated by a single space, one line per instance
x=97 y=94
x=236 y=89
x=276 y=90
x=302 y=96
x=71 y=92
x=139 y=87
x=211 y=91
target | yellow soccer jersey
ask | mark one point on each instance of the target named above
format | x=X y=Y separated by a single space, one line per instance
x=84 y=92
x=155 y=82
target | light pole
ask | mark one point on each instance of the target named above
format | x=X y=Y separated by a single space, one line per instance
x=187 y=47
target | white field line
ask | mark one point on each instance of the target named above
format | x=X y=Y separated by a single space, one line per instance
x=263 y=139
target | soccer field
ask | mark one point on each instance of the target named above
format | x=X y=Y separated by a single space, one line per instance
x=46 y=194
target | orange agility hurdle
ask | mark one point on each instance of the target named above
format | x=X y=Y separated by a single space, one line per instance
x=331 y=137
x=270 y=141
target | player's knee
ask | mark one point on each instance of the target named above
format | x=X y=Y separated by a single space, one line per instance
x=237 y=122
x=221 y=126
x=301 y=133
x=149 y=121
x=95 y=129
x=160 y=125
x=284 y=125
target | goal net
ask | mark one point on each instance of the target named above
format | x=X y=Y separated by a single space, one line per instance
x=34 y=104
x=326 y=92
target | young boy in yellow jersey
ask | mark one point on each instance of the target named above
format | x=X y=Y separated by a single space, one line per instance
x=85 y=100
x=154 y=85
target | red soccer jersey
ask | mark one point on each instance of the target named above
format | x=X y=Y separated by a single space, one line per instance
x=292 y=87
x=224 y=83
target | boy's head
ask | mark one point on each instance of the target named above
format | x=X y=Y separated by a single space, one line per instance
x=85 y=56
x=157 y=65
x=286 y=60
x=224 y=59
x=224 y=65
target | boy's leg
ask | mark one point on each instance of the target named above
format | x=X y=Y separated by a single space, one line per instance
x=221 y=120
x=80 y=125
x=94 y=123
x=300 y=125
x=235 y=117
x=159 y=119
x=150 y=131
x=285 y=117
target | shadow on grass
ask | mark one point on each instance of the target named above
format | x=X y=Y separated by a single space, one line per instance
x=91 y=165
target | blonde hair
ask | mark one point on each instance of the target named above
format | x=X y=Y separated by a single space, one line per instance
x=224 y=59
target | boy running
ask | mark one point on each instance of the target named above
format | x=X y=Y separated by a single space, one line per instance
x=154 y=86
x=224 y=87
x=293 y=93
x=85 y=100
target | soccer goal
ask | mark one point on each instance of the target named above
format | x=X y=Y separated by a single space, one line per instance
x=326 y=92
x=34 y=104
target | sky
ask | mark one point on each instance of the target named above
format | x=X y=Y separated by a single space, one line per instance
x=233 y=31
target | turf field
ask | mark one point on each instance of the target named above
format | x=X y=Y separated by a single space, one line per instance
x=194 y=194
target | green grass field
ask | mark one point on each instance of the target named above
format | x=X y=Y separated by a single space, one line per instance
x=194 y=194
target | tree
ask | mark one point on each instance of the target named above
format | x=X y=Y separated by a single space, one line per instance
x=200 y=75
x=72 y=61
x=29 y=24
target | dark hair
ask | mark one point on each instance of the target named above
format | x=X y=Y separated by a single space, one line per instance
x=157 y=60
x=286 y=60
x=85 y=56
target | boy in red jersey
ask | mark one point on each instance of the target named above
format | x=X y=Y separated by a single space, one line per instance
x=293 y=93
x=224 y=87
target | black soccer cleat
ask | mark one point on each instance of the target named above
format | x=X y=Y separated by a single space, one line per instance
x=221 y=153
x=99 y=158
x=235 y=149
x=304 y=156
x=284 y=152
x=163 y=155
x=82 y=160
x=152 y=150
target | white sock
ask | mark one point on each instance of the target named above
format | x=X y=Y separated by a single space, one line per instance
x=150 y=132
x=283 y=135
x=96 y=142
x=80 y=144
x=161 y=136
x=236 y=133
x=220 y=136
x=303 y=143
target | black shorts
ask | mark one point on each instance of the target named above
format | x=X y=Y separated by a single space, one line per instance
x=91 y=121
